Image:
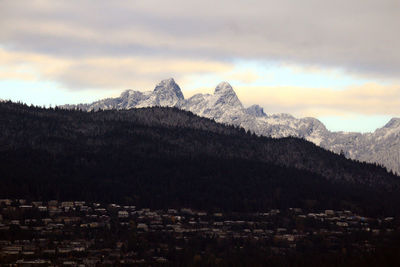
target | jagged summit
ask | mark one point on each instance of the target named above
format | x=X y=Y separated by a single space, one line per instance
x=166 y=82
x=127 y=93
x=169 y=86
x=393 y=123
x=226 y=96
x=223 y=88
x=224 y=106
x=256 y=110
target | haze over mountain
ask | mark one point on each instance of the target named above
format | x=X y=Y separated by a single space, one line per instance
x=382 y=146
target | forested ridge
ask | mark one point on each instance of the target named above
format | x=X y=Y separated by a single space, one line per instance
x=161 y=157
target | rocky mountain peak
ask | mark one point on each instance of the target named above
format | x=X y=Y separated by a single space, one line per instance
x=255 y=110
x=226 y=95
x=224 y=106
x=223 y=88
x=126 y=93
x=168 y=86
x=393 y=123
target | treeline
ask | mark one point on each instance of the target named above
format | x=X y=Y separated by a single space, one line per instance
x=159 y=157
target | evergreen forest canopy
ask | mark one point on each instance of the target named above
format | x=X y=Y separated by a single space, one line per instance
x=164 y=157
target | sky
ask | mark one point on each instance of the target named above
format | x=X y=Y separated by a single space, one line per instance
x=337 y=60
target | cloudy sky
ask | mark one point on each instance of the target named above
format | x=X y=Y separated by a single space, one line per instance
x=334 y=60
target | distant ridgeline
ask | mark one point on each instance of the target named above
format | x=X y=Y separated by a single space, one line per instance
x=165 y=157
x=382 y=146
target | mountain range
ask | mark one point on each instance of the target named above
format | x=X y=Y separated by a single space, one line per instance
x=381 y=146
x=162 y=157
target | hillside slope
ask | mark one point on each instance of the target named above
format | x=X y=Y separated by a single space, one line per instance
x=381 y=146
x=165 y=156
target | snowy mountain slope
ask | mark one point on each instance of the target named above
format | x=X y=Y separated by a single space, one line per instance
x=381 y=146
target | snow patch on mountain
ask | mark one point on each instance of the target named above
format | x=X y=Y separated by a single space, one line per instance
x=381 y=146
x=256 y=111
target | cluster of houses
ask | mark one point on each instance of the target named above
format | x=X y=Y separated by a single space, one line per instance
x=36 y=233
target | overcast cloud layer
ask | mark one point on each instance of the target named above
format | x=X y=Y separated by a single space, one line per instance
x=358 y=35
x=118 y=44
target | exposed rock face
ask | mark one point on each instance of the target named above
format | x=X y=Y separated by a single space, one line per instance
x=381 y=146
x=256 y=111
x=166 y=93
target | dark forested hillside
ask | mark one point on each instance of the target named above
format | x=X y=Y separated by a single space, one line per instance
x=160 y=157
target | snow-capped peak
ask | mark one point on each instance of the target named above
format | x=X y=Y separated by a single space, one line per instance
x=223 y=88
x=225 y=95
x=127 y=93
x=393 y=123
x=224 y=106
x=256 y=110
x=169 y=85
x=170 y=82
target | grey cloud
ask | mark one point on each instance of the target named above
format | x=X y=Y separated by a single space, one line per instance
x=359 y=35
x=89 y=76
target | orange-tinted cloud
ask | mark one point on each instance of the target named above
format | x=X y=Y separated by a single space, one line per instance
x=359 y=36
x=370 y=98
x=102 y=72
